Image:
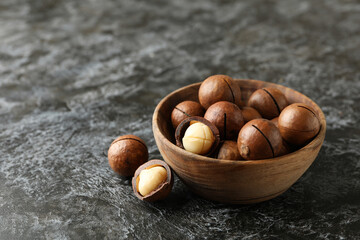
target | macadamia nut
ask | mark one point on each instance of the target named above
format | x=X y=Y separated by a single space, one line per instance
x=219 y=88
x=184 y=110
x=126 y=154
x=198 y=138
x=298 y=124
x=150 y=179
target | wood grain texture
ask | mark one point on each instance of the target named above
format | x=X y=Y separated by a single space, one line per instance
x=231 y=181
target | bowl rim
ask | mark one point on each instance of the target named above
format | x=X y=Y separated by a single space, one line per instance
x=318 y=140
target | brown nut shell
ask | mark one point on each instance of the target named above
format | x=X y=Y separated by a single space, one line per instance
x=285 y=149
x=184 y=110
x=229 y=151
x=269 y=102
x=219 y=88
x=259 y=139
x=275 y=121
x=180 y=132
x=298 y=124
x=250 y=113
x=126 y=154
x=227 y=117
x=163 y=190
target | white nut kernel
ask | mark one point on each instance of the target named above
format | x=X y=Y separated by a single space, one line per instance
x=150 y=179
x=198 y=138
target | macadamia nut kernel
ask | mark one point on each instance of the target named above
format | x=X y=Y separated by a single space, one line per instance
x=198 y=138
x=150 y=179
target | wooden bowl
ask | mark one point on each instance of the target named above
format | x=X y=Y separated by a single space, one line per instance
x=231 y=181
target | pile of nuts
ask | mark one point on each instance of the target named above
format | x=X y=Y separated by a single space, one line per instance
x=221 y=126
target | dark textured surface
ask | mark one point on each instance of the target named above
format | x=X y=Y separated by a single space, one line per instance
x=74 y=75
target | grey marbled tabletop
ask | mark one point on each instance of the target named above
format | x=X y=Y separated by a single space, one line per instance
x=76 y=74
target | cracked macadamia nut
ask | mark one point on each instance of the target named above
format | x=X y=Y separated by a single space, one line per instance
x=259 y=139
x=269 y=102
x=152 y=181
x=184 y=110
x=219 y=88
x=298 y=124
x=227 y=117
x=126 y=154
x=198 y=138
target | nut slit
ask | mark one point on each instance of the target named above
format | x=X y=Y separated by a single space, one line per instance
x=232 y=94
x=182 y=112
x=312 y=113
x=130 y=139
x=308 y=109
x=272 y=150
x=272 y=97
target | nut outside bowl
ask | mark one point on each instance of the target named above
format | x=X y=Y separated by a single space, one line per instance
x=233 y=181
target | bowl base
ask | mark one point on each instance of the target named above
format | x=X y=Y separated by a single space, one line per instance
x=212 y=196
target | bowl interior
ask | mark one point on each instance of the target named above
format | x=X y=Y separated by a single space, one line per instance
x=162 y=114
